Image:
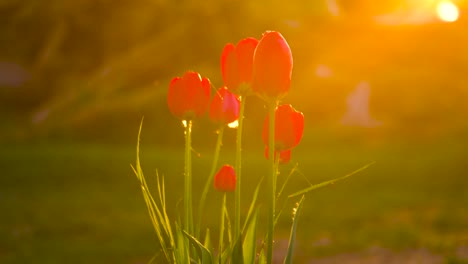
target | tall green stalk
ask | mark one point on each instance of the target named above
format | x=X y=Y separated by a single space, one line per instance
x=221 y=230
x=237 y=167
x=188 y=221
x=272 y=179
x=201 y=205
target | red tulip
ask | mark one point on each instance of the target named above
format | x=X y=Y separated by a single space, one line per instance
x=225 y=179
x=272 y=66
x=225 y=106
x=189 y=96
x=284 y=155
x=289 y=126
x=236 y=64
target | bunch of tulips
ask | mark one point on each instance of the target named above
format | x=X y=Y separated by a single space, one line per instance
x=251 y=68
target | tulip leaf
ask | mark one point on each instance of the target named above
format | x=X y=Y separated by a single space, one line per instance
x=228 y=222
x=252 y=204
x=326 y=183
x=181 y=251
x=203 y=253
x=250 y=243
x=237 y=255
x=224 y=254
x=221 y=231
x=261 y=258
x=208 y=244
x=292 y=237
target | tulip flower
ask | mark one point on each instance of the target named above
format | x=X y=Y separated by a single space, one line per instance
x=272 y=66
x=225 y=179
x=284 y=155
x=224 y=107
x=189 y=96
x=236 y=65
x=289 y=127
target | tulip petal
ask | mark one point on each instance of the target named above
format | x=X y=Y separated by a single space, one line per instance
x=229 y=66
x=245 y=50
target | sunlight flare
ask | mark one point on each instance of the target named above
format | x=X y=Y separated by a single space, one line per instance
x=447 y=11
x=234 y=124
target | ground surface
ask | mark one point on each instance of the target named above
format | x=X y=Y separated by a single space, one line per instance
x=69 y=203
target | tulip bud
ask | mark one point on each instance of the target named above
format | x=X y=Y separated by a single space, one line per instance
x=236 y=65
x=224 y=107
x=189 y=96
x=289 y=127
x=272 y=66
x=225 y=179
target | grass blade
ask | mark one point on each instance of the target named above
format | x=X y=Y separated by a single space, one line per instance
x=294 y=169
x=157 y=212
x=292 y=238
x=326 y=183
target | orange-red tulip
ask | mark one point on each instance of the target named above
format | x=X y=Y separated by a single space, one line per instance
x=189 y=96
x=224 y=107
x=284 y=155
x=272 y=66
x=236 y=64
x=225 y=179
x=289 y=127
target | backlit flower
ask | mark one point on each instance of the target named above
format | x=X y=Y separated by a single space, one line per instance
x=284 y=155
x=225 y=179
x=289 y=127
x=236 y=65
x=272 y=66
x=189 y=96
x=224 y=107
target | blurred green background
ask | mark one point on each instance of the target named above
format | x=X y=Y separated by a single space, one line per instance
x=77 y=77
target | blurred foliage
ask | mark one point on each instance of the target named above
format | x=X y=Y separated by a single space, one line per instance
x=96 y=67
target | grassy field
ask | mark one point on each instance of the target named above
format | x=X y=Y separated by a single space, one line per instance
x=71 y=203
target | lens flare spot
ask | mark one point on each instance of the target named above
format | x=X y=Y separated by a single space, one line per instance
x=447 y=11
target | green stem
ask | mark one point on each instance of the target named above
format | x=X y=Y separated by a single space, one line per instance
x=188 y=221
x=272 y=179
x=276 y=172
x=221 y=229
x=237 y=168
x=209 y=182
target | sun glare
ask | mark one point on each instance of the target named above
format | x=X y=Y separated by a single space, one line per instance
x=234 y=124
x=447 y=11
